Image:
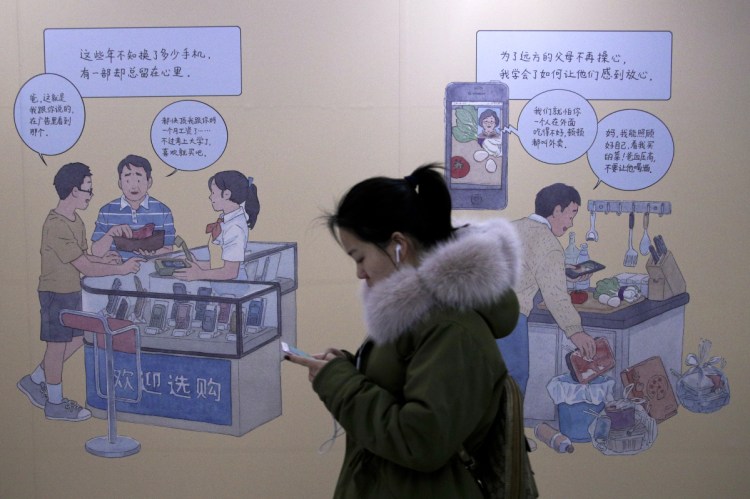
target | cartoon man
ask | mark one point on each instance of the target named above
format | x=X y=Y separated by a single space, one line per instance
x=134 y=209
x=64 y=259
x=543 y=268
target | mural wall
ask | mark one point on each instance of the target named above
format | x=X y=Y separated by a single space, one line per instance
x=183 y=247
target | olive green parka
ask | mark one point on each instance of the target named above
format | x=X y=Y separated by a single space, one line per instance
x=427 y=378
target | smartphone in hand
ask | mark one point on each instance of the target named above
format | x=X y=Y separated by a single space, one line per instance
x=288 y=349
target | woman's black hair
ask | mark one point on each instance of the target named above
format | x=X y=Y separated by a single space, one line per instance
x=418 y=205
x=242 y=190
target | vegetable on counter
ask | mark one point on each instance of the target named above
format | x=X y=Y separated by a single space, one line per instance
x=578 y=297
x=609 y=286
x=609 y=292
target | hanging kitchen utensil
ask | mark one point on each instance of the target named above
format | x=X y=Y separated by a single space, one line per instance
x=631 y=256
x=592 y=234
x=645 y=240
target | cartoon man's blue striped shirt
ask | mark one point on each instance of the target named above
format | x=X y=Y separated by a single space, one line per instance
x=119 y=212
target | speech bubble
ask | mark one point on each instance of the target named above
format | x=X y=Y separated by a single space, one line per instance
x=151 y=61
x=633 y=150
x=189 y=135
x=556 y=127
x=610 y=65
x=49 y=114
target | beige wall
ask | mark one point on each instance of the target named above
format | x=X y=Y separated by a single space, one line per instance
x=335 y=91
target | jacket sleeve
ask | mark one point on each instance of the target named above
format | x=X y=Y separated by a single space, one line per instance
x=449 y=385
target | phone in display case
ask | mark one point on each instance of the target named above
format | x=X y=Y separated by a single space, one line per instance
x=200 y=306
x=476 y=146
x=225 y=313
x=158 y=317
x=255 y=315
x=208 y=323
x=112 y=299
x=182 y=320
x=178 y=288
x=140 y=301
x=122 y=309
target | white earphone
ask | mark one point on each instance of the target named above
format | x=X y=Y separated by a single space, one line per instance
x=398 y=253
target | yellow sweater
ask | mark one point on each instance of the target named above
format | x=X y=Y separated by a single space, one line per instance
x=543 y=268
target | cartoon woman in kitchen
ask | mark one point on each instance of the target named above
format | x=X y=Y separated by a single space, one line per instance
x=235 y=197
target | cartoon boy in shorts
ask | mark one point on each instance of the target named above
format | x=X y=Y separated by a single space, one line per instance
x=64 y=259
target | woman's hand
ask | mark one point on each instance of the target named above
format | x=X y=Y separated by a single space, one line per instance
x=191 y=273
x=315 y=362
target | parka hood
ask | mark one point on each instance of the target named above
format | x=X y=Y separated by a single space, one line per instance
x=472 y=270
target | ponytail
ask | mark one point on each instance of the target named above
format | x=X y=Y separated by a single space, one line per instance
x=418 y=204
x=252 y=204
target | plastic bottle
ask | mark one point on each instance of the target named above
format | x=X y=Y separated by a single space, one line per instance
x=571 y=256
x=583 y=255
x=553 y=438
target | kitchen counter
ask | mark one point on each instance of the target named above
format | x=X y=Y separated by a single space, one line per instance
x=635 y=331
x=626 y=315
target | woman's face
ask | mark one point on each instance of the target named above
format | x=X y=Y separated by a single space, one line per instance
x=218 y=197
x=373 y=264
x=488 y=124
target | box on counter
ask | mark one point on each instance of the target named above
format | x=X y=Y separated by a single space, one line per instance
x=638 y=280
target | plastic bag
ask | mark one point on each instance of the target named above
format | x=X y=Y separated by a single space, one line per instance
x=703 y=387
x=614 y=435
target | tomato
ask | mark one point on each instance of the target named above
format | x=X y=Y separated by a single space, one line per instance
x=459 y=167
x=578 y=297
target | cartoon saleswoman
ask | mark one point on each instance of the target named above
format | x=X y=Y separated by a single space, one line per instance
x=235 y=197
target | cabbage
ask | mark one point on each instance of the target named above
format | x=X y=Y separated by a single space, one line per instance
x=609 y=286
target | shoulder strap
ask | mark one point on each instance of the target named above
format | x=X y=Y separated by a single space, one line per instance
x=511 y=473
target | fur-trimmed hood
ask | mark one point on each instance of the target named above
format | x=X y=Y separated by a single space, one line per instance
x=471 y=270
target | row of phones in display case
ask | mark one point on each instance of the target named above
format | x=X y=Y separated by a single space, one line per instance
x=185 y=317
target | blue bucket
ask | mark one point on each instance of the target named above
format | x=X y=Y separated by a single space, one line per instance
x=575 y=419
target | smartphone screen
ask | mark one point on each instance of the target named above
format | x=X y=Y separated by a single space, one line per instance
x=476 y=147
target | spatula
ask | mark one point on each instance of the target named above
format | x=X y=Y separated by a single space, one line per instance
x=631 y=256
x=645 y=240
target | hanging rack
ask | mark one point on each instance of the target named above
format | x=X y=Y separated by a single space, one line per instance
x=605 y=206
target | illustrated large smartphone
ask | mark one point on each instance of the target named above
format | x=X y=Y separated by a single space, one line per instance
x=476 y=146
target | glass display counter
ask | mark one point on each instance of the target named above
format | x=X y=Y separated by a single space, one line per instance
x=210 y=350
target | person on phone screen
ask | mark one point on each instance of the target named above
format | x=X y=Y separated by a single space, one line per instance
x=427 y=377
x=489 y=122
x=235 y=196
x=64 y=259
x=131 y=211
x=543 y=269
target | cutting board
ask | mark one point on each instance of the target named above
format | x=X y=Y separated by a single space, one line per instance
x=593 y=306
